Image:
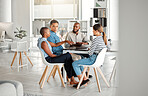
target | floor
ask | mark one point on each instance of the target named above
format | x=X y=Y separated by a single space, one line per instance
x=31 y=76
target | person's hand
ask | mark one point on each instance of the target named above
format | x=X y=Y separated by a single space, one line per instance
x=69 y=42
x=85 y=43
x=82 y=43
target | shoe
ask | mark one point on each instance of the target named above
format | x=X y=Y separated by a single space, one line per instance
x=62 y=71
x=83 y=83
x=90 y=76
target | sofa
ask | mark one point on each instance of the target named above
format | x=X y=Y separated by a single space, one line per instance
x=11 y=88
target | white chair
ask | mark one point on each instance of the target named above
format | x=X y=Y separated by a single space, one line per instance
x=99 y=61
x=114 y=70
x=44 y=75
x=18 y=48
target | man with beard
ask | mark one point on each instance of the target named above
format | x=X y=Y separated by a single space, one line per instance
x=76 y=36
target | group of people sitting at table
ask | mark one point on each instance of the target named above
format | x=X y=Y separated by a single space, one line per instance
x=50 y=45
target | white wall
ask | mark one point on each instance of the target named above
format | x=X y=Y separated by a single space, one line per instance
x=113 y=20
x=5 y=10
x=59 y=11
x=21 y=15
x=87 y=12
x=133 y=54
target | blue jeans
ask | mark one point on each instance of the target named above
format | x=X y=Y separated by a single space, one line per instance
x=77 y=65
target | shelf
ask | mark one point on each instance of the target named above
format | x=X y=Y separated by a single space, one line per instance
x=98 y=8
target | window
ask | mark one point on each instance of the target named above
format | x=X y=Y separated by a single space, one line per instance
x=47 y=9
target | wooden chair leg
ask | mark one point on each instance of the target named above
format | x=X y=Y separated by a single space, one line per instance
x=99 y=70
x=53 y=69
x=13 y=58
x=54 y=72
x=60 y=76
x=68 y=80
x=28 y=58
x=81 y=77
x=44 y=78
x=43 y=74
x=21 y=60
x=88 y=72
x=96 y=75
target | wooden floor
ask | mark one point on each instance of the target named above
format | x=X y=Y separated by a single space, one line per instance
x=31 y=76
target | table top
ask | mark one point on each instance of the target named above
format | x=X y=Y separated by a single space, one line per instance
x=83 y=49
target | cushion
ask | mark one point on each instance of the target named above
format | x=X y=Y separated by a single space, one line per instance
x=7 y=89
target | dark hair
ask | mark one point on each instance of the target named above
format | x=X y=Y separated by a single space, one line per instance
x=96 y=27
x=53 y=21
x=42 y=30
x=77 y=23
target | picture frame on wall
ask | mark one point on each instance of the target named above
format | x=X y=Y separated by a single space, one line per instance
x=101 y=3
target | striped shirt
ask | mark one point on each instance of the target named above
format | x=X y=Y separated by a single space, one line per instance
x=97 y=45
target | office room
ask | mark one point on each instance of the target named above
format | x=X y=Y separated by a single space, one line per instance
x=73 y=48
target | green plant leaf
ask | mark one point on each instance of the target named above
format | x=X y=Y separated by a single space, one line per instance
x=20 y=33
x=20 y=27
x=17 y=29
x=15 y=32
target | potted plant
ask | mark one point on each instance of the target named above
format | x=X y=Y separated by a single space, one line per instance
x=20 y=33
